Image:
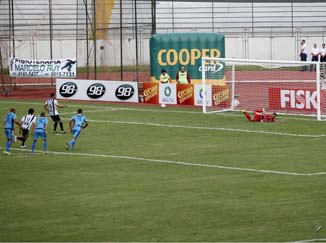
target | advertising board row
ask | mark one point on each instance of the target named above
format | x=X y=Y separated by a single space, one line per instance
x=154 y=93
x=79 y=89
x=180 y=94
x=186 y=94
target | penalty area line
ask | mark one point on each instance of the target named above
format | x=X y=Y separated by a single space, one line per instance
x=211 y=128
x=178 y=163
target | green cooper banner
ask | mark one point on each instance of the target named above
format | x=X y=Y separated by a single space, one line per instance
x=170 y=51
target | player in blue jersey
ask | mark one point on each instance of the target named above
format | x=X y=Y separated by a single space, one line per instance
x=40 y=129
x=77 y=123
x=10 y=120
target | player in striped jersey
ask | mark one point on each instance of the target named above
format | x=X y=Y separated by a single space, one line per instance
x=27 y=121
x=52 y=105
x=77 y=123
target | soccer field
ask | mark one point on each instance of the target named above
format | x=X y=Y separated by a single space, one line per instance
x=142 y=173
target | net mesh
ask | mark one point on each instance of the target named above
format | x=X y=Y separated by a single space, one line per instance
x=281 y=87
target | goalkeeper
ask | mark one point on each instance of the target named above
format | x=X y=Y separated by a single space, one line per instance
x=260 y=116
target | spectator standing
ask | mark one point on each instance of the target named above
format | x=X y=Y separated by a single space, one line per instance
x=323 y=53
x=165 y=77
x=314 y=56
x=183 y=76
x=303 y=54
x=323 y=57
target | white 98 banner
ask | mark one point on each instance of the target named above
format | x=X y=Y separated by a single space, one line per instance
x=97 y=90
x=56 y=68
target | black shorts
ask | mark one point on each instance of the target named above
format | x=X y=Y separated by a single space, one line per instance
x=25 y=133
x=55 y=118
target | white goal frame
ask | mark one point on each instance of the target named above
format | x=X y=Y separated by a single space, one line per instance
x=232 y=62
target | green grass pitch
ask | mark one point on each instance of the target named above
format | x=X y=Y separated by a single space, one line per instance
x=142 y=173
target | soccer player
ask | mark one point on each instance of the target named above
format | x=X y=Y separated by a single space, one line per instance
x=26 y=125
x=77 y=123
x=260 y=116
x=10 y=120
x=40 y=129
x=52 y=105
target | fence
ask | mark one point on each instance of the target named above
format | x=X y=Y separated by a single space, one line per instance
x=45 y=29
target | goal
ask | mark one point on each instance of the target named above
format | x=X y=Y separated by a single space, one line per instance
x=285 y=87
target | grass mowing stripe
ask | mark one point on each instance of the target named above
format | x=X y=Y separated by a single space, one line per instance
x=288 y=116
x=177 y=162
x=211 y=128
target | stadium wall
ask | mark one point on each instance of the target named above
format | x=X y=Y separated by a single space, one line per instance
x=108 y=51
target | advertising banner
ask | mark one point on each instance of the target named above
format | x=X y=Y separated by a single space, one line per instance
x=171 y=51
x=56 y=68
x=185 y=94
x=168 y=94
x=151 y=93
x=199 y=97
x=97 y=90
x=293 y=99
x=221 y=96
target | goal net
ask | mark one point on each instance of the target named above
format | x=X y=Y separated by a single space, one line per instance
x=285 y=87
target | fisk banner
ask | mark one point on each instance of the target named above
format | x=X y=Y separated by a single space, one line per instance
x=56 y=68
x=293 y=99
x=117 y=91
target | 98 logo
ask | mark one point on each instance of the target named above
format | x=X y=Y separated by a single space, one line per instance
x=124 y=92
x=68 y=89
x=96 y=91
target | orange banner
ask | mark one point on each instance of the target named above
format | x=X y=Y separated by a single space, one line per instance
x=185 y=94
x=151 y=93
x=221 y=96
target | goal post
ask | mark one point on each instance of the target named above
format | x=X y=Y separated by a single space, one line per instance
x=284 y=87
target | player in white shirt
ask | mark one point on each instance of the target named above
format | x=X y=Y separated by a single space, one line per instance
x=52 y=105
x=26 y=123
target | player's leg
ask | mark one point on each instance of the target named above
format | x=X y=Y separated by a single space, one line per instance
x=246 y=115
x=55 y=123
x=36 y=135
x=57 y=120
x=9 y=136
x=25 y=135
x=45 y=142
x=75 y=133
x=61 y=125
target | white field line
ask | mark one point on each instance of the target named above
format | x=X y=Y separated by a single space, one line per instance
x=85 y=111
x=312 y=240
x=177 y=163
x=210 y=128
